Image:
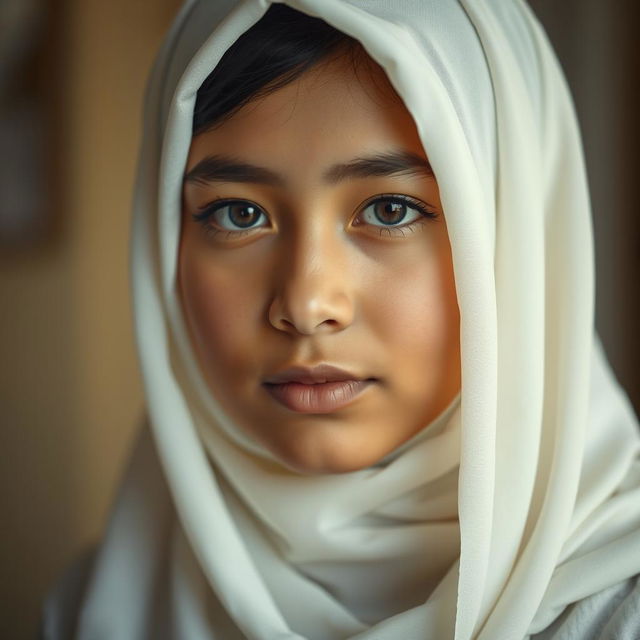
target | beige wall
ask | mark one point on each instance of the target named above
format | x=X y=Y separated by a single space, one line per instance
x=70 y=388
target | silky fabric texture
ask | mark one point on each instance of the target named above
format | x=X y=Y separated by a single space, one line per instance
x=521 y=498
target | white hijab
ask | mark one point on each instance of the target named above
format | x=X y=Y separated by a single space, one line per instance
x=522 y=497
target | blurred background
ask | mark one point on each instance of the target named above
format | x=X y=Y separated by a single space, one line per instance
x=72 y=76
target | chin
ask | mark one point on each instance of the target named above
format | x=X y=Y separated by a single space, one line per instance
x=325 y=458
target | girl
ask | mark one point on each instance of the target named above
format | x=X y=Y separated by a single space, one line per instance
x=363 y=289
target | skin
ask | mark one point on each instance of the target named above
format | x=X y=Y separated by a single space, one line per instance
x=313 y=282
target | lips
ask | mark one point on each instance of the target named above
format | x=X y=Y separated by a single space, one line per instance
x=320 y=389
x=312 y=375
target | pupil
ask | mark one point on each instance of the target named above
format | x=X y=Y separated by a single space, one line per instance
x=390 y=212
x=243 y=215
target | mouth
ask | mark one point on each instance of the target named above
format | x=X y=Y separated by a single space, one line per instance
x=320 y=389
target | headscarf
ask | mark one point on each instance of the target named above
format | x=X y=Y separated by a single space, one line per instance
x=523 y=495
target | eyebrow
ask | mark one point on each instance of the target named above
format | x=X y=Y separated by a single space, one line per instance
x=221 y=168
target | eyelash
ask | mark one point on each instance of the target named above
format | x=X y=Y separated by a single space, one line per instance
x=206 y=212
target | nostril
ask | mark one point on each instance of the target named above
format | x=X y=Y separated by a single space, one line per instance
x=308 y=312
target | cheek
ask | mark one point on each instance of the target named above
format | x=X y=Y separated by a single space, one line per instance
x=417 y=321
x=220 y=310
x=419 y=307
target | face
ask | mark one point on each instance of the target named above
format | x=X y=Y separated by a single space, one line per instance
x=315 y=271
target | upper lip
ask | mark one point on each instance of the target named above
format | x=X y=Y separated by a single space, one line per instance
x=311 y=375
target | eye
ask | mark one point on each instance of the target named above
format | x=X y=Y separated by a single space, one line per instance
x=395 y=211
x=231 y=215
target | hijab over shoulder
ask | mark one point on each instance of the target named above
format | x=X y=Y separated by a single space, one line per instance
x=524 y=498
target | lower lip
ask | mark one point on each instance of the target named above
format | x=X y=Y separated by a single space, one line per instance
x=324 y=397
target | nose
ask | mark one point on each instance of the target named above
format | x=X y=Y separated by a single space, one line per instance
x=314 y=287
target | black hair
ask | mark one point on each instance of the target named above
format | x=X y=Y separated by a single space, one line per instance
x=275 y=51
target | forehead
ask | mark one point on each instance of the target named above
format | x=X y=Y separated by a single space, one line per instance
x=338 y=109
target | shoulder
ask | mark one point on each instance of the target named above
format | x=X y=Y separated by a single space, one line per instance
x=63 y=603
x=611 y=614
